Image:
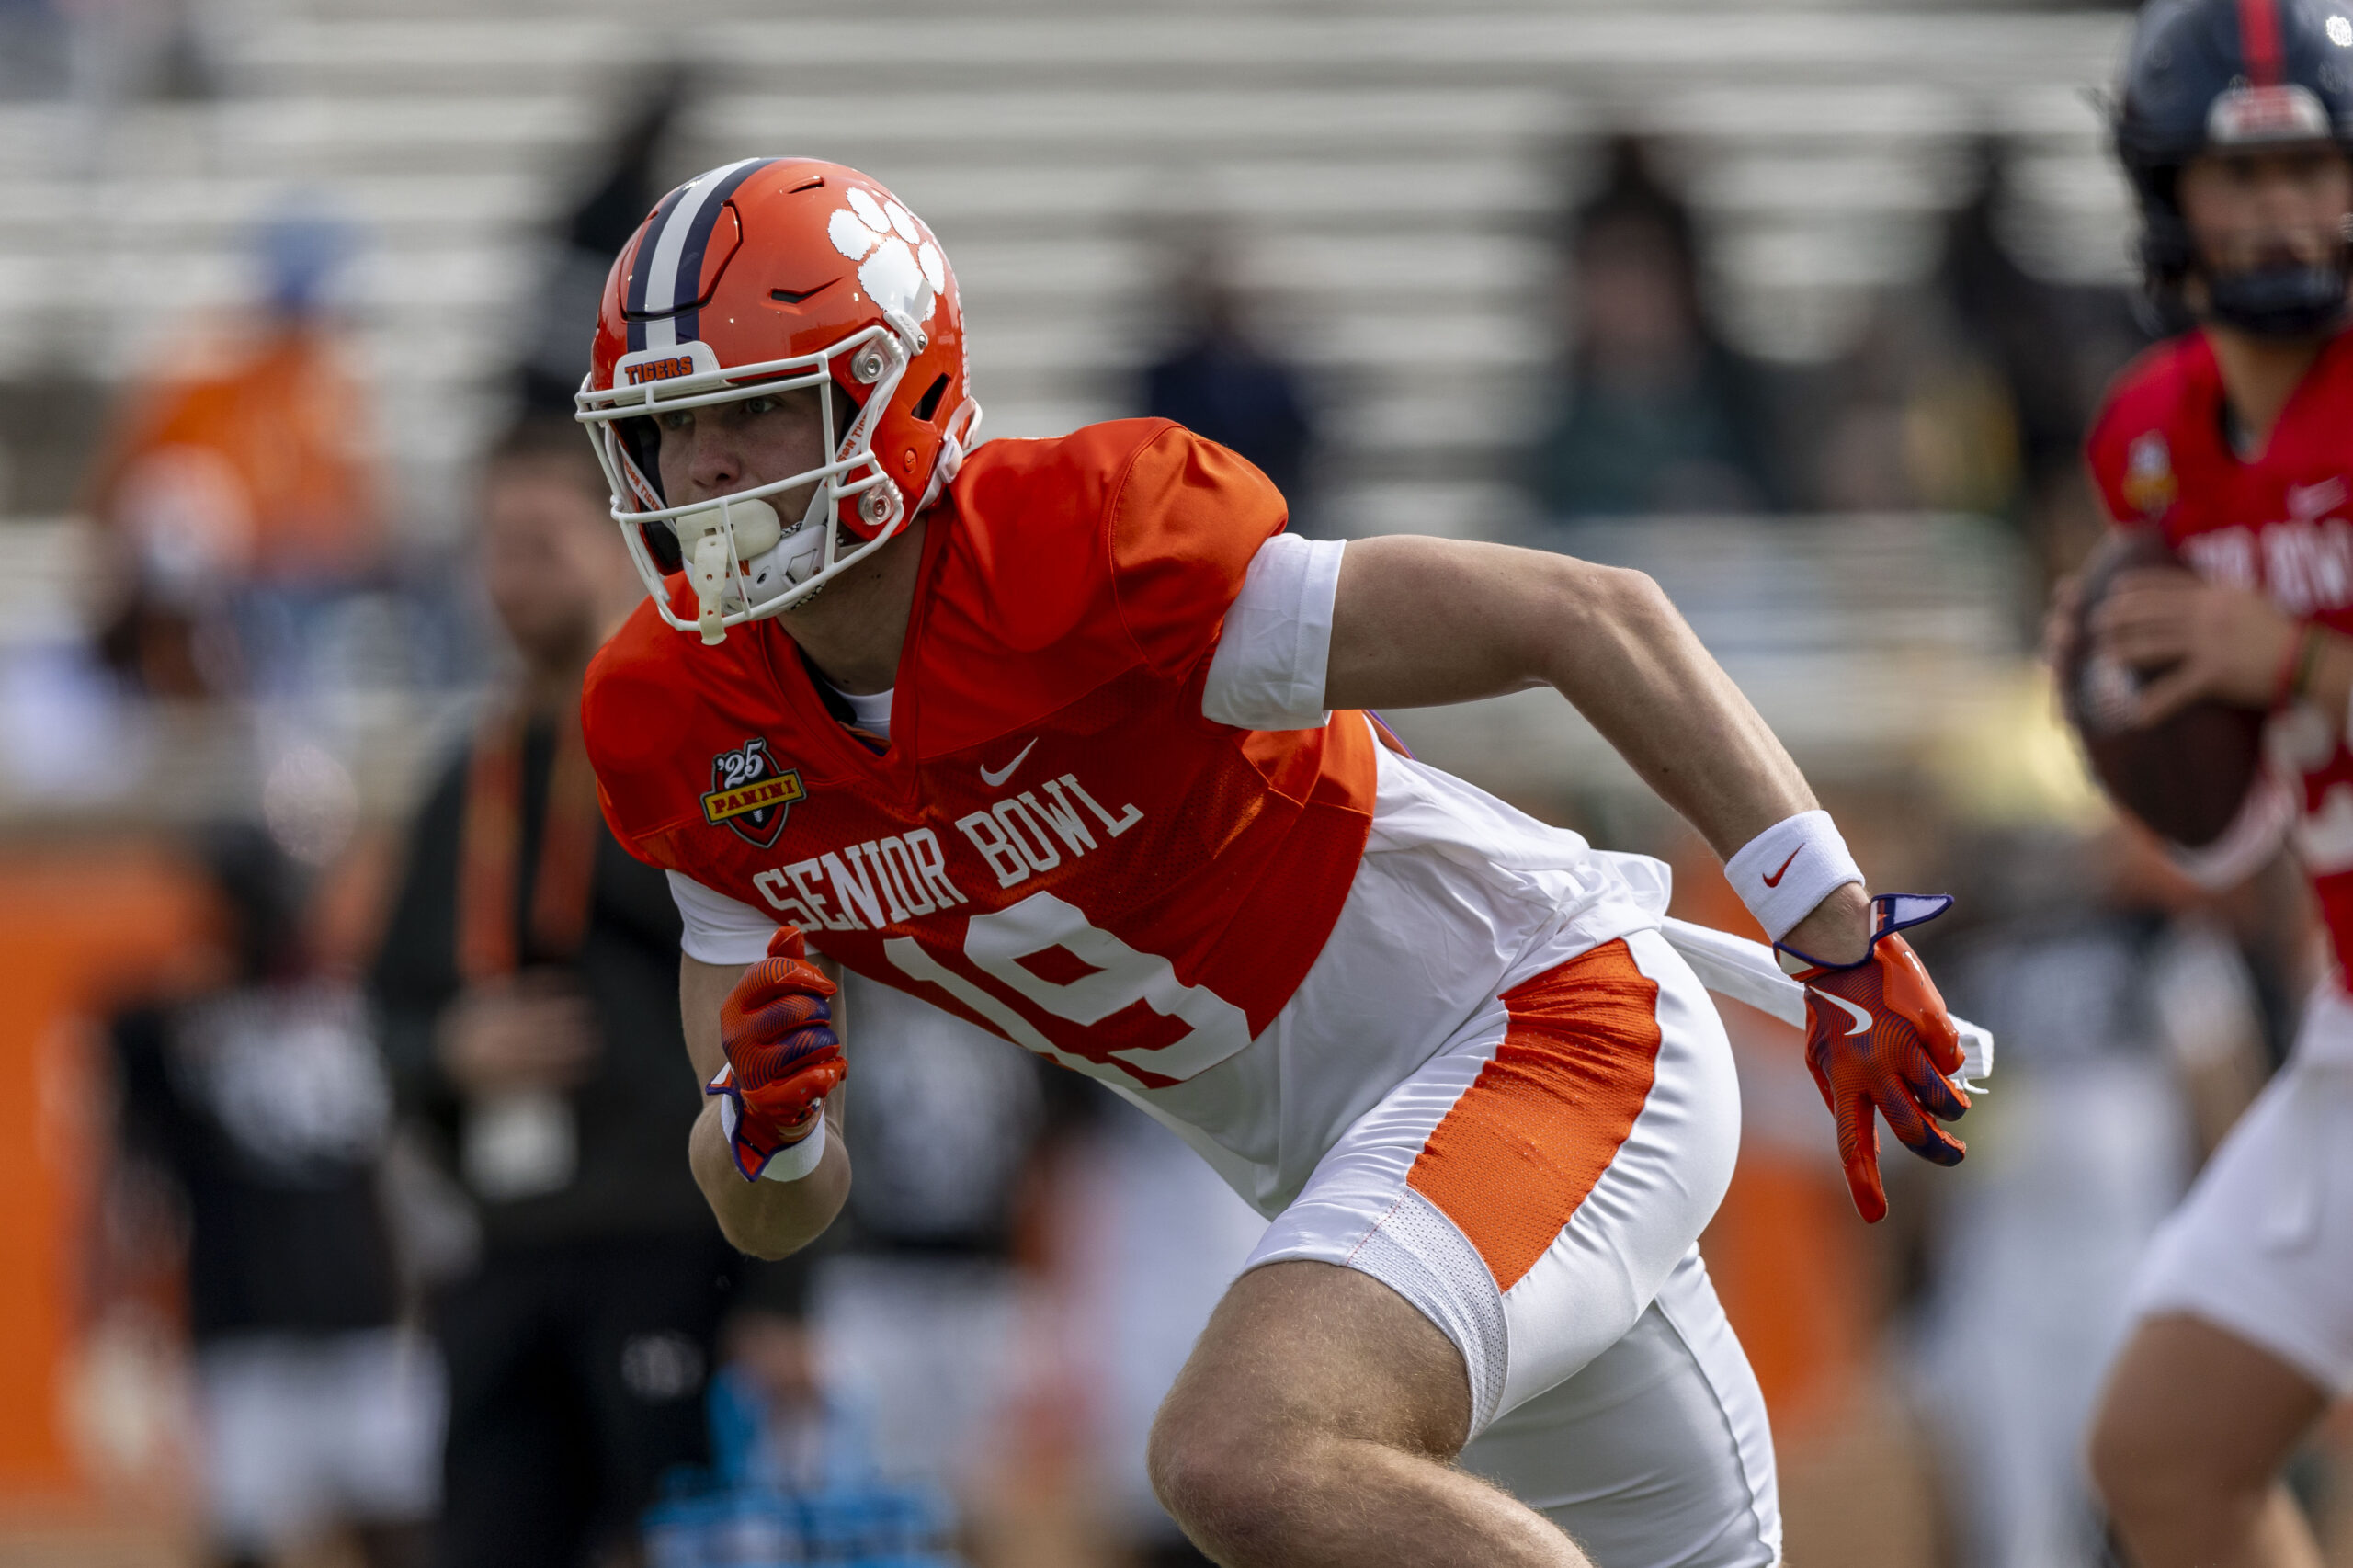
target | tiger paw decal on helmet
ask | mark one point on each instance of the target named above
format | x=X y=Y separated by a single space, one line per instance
x=898 y=262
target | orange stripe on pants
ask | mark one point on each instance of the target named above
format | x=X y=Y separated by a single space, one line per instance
x=1520 y=1150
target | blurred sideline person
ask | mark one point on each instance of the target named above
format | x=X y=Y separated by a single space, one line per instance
x=265 y=1105
x=917 y=1307
x=237 y=491
x=2235 y=442
x=1043 y=733
x=1216 y=380
x=1654 y=411
x=599 y=225
x=2128 y=1026
x=529 y=983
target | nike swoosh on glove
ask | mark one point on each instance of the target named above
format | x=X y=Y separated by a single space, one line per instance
x=1878 y=1039
x=784 y=1057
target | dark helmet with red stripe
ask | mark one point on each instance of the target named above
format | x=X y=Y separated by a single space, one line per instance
x=2212 y=75
x=757 y=277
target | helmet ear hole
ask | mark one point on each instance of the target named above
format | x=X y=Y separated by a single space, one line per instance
x=846 y=411
x=642 y=441
x=928 y=404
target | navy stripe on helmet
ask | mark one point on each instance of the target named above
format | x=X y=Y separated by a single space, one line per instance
x=699 y=239
x=642 y=264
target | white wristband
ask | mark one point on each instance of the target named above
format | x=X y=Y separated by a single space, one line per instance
x=796 y=1160
x=1788 y=869
x=788 y=1164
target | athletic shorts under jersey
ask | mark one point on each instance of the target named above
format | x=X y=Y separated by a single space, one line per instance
x=2258 y=1247
x=1095 y=831
x=2281 y=522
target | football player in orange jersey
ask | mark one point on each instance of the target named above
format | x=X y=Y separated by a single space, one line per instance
x=1067 y=737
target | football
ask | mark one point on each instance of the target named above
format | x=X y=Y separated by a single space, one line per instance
x=2185 y=777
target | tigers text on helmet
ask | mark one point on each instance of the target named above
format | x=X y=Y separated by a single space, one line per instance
x=2216 y=75
x=762 y=277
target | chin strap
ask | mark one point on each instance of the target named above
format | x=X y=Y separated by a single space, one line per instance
x=2280 y=301
x=953 y=446
x=708 y=569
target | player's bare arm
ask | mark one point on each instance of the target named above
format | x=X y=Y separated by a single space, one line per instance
x=766 y=1219
x=1420 y=622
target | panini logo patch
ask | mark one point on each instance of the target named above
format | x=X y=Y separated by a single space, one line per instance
x=750 y=795
x=2149 y=484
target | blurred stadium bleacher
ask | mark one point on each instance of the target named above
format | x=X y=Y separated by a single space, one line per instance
x=1396 y=174
x=1394 y=181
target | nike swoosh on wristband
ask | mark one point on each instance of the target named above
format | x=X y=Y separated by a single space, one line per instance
x=1775 y=879
x=1862 y=1019
x=995 y=777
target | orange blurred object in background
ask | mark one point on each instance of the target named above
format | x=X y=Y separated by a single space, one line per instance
x=247 y=458
x=77 y=921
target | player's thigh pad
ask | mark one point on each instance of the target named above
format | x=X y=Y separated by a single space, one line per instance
x=2259 y=1247
x=1657 y=1455
x=1532 y=1185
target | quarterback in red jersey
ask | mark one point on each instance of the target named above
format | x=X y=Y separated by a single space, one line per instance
x=1067 y=737
x=2235 y=442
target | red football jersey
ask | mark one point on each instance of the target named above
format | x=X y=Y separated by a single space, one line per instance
x=2278 y=523
x=1057 y=844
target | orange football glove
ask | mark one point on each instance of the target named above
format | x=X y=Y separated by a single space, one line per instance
x=784 y=1057
x=1878 y=1039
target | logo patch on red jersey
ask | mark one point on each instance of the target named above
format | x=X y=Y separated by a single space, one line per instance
x=750 y=795
x=2149 y=484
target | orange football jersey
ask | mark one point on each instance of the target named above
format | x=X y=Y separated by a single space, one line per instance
x=1057 y=844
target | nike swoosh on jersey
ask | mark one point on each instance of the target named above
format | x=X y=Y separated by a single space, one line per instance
x=994 y=776
x=1862 y=1019
x=1775 y=879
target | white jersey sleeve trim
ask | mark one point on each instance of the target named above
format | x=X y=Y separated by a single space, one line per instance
x=1268 y=670
x=720 y=929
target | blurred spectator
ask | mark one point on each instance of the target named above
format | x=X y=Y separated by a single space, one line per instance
x=1154 y=1238
x=32 y=48
x=793 y=1477
x=263 y=1105
x=1920 y=419
x=778 y=1371
x=1653 y=411
x=2025 y=330
x=121 y=52
x=1217 y=380
x=239 y=492
x=2054 y=347
x=1972 y=391
x=2129 y=1037
x=529 y=981
x=623 y=193
x=917 y=1310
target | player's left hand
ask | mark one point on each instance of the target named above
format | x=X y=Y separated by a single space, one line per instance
x=2224 y=642
x=1880 y=1043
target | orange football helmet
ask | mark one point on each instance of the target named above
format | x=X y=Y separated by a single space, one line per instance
x=759 y=277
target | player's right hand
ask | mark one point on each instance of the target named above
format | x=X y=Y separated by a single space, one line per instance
x=1880 y=1043
x=784 y=1057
